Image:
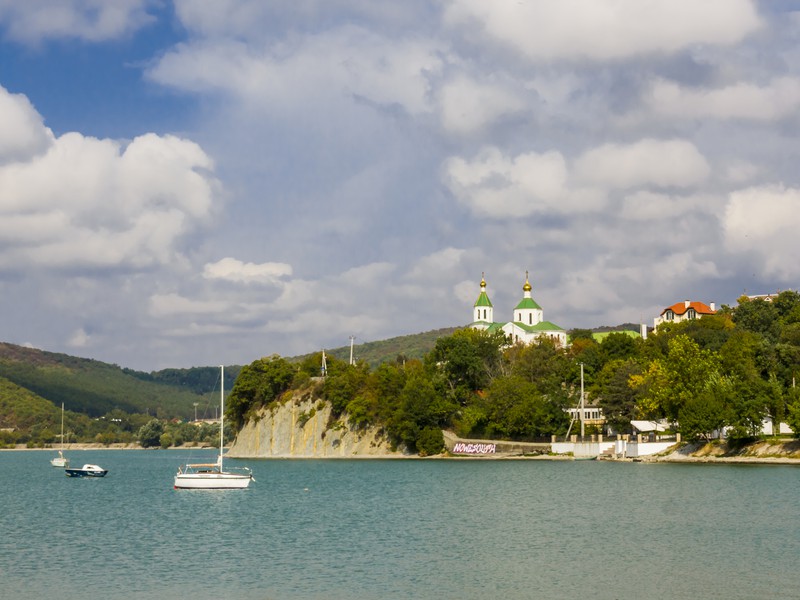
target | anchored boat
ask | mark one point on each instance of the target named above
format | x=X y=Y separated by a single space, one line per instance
x=87 y=471
x=212 y=476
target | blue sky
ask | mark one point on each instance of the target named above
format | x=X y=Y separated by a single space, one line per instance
x=189 y=183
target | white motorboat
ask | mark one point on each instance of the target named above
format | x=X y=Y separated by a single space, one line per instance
x=212 y=476
x=87 y=470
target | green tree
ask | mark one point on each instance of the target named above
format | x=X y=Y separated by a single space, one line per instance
x=616 y=396
x=683 y=374
x=619 y=346
x=467 y=361
x=258 y=384
x=544 y=365
x=757 y=316
x=793 y=411
x=150 y=434
x=430 y=441
x=708 y=412
x=341 y=387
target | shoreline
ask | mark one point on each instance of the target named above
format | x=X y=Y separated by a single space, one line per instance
x=759 y=453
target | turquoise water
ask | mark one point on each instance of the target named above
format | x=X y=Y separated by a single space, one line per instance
x=365 y=529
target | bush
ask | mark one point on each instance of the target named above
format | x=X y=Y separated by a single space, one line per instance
x=430 y=441
x=150 y=434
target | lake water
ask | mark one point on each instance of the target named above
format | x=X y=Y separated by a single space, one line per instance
x=404 y=529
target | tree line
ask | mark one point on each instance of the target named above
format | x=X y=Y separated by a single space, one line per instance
x=728 y=371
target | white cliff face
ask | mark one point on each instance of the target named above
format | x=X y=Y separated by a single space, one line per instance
x=299 y=429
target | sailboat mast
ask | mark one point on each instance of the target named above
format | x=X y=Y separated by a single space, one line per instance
x=62 y=425
x=221 y=412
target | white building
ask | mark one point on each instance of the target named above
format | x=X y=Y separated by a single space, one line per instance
x=527 y=320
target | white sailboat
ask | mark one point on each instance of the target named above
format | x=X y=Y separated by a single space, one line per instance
x=61 y=461
x=212 y=476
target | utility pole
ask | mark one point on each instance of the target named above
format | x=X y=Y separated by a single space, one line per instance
x=581 y=401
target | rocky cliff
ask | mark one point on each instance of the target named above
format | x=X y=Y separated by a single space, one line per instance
x=299 y=428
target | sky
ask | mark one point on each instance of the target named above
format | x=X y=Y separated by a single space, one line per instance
x=192 y=183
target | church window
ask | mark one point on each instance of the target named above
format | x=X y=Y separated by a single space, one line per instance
x=530 y=319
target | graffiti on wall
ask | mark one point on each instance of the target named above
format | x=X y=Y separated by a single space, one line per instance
x=464 y=448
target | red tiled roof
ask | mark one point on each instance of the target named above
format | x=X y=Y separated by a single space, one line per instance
x=680 y=307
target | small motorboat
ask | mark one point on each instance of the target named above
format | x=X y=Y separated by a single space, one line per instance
x=87 y=471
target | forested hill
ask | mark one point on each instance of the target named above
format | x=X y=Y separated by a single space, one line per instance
x=374 y=353
x=96 y=388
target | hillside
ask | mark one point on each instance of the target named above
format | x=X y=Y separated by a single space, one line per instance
x=374 y=353
x=96 y=388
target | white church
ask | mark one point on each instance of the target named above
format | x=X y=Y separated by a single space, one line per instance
x=527 y=321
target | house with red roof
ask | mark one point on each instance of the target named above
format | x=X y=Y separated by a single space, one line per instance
x=684 y=311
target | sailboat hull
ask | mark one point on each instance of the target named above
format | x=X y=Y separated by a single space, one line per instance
x=59 y=461
x=211 y=481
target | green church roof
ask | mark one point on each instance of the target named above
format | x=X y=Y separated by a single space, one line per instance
x=543 y=326
x=483 y=300
x=527 y=303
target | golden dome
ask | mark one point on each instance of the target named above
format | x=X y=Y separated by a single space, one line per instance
x=527 y=286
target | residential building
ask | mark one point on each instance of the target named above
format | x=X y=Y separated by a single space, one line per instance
x=683 y=311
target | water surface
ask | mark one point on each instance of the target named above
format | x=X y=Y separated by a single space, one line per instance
x=369 y=529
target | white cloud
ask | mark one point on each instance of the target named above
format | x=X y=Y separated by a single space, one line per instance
x=646 y=206
x=762 y=222
x=600 y=31
x=171 y=304
x=499 y=186
x=256 y=19
x=22 y=132
x=86 y=202
x=79 y=339
x=662 y=163
x=92 y=20
x=740 y=171
x=430 y=267
x=778 y=99
x=231 y=269
x=468 y=106
x=343 y=64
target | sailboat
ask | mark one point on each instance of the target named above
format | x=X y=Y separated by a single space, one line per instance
x=61 y=461
x=212 y=476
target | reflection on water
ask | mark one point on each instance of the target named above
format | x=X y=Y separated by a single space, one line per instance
x=398 y=529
